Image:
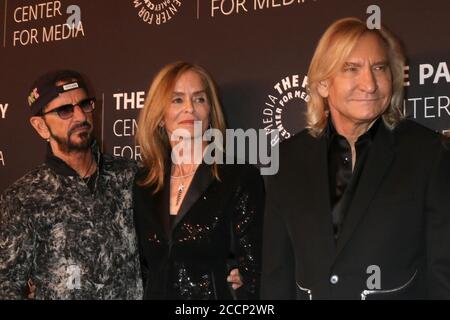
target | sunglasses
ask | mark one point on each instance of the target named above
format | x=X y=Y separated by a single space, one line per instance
x=66 y=111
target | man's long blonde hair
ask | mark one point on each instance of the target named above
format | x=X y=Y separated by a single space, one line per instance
x=333 y=49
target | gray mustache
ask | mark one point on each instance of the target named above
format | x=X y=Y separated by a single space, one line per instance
x=82 y=125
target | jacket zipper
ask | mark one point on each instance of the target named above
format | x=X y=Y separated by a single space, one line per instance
x=306 y=290
x=366 y=293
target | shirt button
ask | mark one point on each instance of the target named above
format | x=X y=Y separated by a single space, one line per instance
x=334 y=279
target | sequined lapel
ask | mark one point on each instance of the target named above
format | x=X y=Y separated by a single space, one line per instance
x=201 y=181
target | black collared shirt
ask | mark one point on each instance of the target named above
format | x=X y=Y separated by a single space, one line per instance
x=342 y=180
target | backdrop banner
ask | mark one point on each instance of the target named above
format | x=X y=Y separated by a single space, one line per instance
x=258 y=51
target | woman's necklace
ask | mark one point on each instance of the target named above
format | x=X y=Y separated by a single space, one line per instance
x=181 y=186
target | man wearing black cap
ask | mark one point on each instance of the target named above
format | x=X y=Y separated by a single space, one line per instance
x=66 y=229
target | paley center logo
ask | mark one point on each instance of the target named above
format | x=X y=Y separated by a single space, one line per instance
x=3 y=110
x=284 y=107
x=52 y=21
x=428 y=100
x=156 y=12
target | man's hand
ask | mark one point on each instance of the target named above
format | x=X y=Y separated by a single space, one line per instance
x=235 y=279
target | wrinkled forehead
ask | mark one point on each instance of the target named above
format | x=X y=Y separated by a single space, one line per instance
x=368 y=45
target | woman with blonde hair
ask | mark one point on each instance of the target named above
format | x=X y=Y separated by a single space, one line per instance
x=195 y=221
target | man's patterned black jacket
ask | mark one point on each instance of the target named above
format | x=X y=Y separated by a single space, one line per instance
x=66 y=240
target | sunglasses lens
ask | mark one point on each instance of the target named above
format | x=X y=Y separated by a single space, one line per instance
x=65 y=112
x=87 y=105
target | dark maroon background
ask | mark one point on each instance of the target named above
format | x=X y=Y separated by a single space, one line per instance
x=247 y=53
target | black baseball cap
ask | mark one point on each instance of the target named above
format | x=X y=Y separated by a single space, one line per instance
x=44 y=90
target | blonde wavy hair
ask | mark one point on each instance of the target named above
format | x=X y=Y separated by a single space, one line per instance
x=152 y=138
x=332 y=50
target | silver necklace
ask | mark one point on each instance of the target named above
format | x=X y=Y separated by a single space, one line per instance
x=87 y=171
x=89 y=167
x=181 y=186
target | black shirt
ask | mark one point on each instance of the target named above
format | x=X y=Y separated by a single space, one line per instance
x=62 y=168
x=342 y=180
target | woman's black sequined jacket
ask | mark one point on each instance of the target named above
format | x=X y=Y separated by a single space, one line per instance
x=218 y=227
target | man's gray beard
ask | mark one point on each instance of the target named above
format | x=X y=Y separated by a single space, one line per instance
x=67 y=146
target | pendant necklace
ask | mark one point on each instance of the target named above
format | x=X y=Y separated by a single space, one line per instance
x=181 y=186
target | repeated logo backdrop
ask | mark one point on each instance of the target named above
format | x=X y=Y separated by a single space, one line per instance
x=257 y=50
